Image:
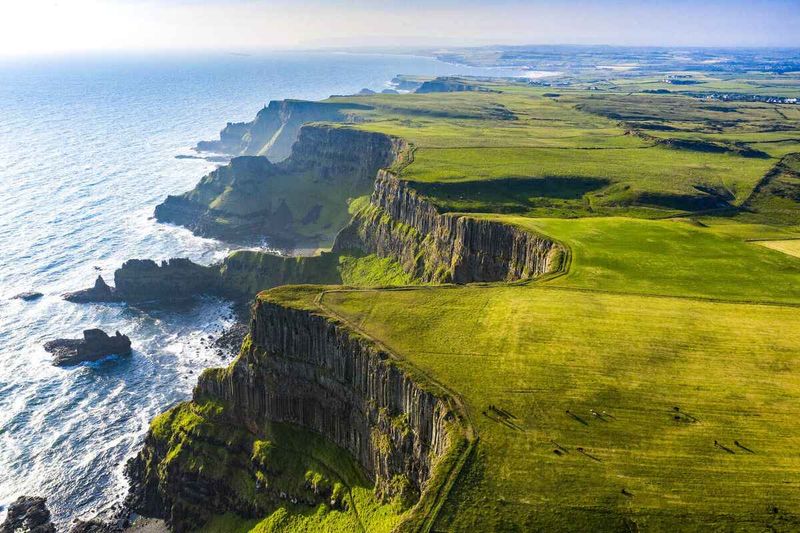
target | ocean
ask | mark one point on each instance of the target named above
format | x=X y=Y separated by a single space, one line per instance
x=87 y=149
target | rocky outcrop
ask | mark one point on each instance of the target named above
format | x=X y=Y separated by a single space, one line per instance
x=447 y=84
x=144 y=280
x=436 y=247
x=301 y=201
x=141 y=280
x=306 y=369
x=100 y=292
x=95 y=345
x=276 y=127
x=239 y=276
x=28 y=514
x=246 y=272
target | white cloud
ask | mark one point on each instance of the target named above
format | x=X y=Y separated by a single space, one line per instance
x=62 y=26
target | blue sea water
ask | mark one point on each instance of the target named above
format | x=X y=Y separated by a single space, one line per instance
x=87 y=149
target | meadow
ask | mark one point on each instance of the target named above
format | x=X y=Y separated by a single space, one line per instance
x=583 y=153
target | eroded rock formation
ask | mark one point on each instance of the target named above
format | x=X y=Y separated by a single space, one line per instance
x=95 y=345
x=276 y=127
x=144 y=280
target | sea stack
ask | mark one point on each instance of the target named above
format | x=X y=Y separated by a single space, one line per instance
x=95 y=345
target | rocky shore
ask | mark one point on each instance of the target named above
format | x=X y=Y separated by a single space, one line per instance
x=299 y=367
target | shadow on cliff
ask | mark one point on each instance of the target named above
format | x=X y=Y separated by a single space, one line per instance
x=512 y=194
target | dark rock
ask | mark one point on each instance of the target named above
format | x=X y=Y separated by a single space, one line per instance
x=144 y=280
x=231 y=339
x=101 y=292
x=28 y=514
x=28 y=296
x=95 y=345
x=306 y=370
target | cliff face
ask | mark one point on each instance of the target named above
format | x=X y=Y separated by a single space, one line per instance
x=301 y=201
x=301 y=368
x=399 y=223
x=304 y=369
x=276 y=127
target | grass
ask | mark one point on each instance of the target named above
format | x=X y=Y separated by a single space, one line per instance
x=671 y=257
x=635 y=357
x=573 y=155
x=657 y=171
x=637 y=327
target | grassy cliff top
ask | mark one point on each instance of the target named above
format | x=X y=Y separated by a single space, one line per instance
x=653 y=385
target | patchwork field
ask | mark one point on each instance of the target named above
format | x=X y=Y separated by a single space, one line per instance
x=791 y=247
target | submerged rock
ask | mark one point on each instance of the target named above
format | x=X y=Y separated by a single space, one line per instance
x=28 y=296
x=28 y=514
x=95 y=345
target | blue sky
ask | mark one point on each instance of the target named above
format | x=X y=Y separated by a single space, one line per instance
x=63 y=26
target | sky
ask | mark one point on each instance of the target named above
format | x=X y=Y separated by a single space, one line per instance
x=35 y=27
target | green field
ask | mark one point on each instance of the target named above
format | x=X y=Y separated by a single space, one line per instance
x=611 y=384
x=579 y=153
x=637 y=327
x=537 y=353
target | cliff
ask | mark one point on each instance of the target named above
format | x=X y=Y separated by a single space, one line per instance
x=301 y=201
x=276 y=127
x=444 y=248
x=306 y=369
